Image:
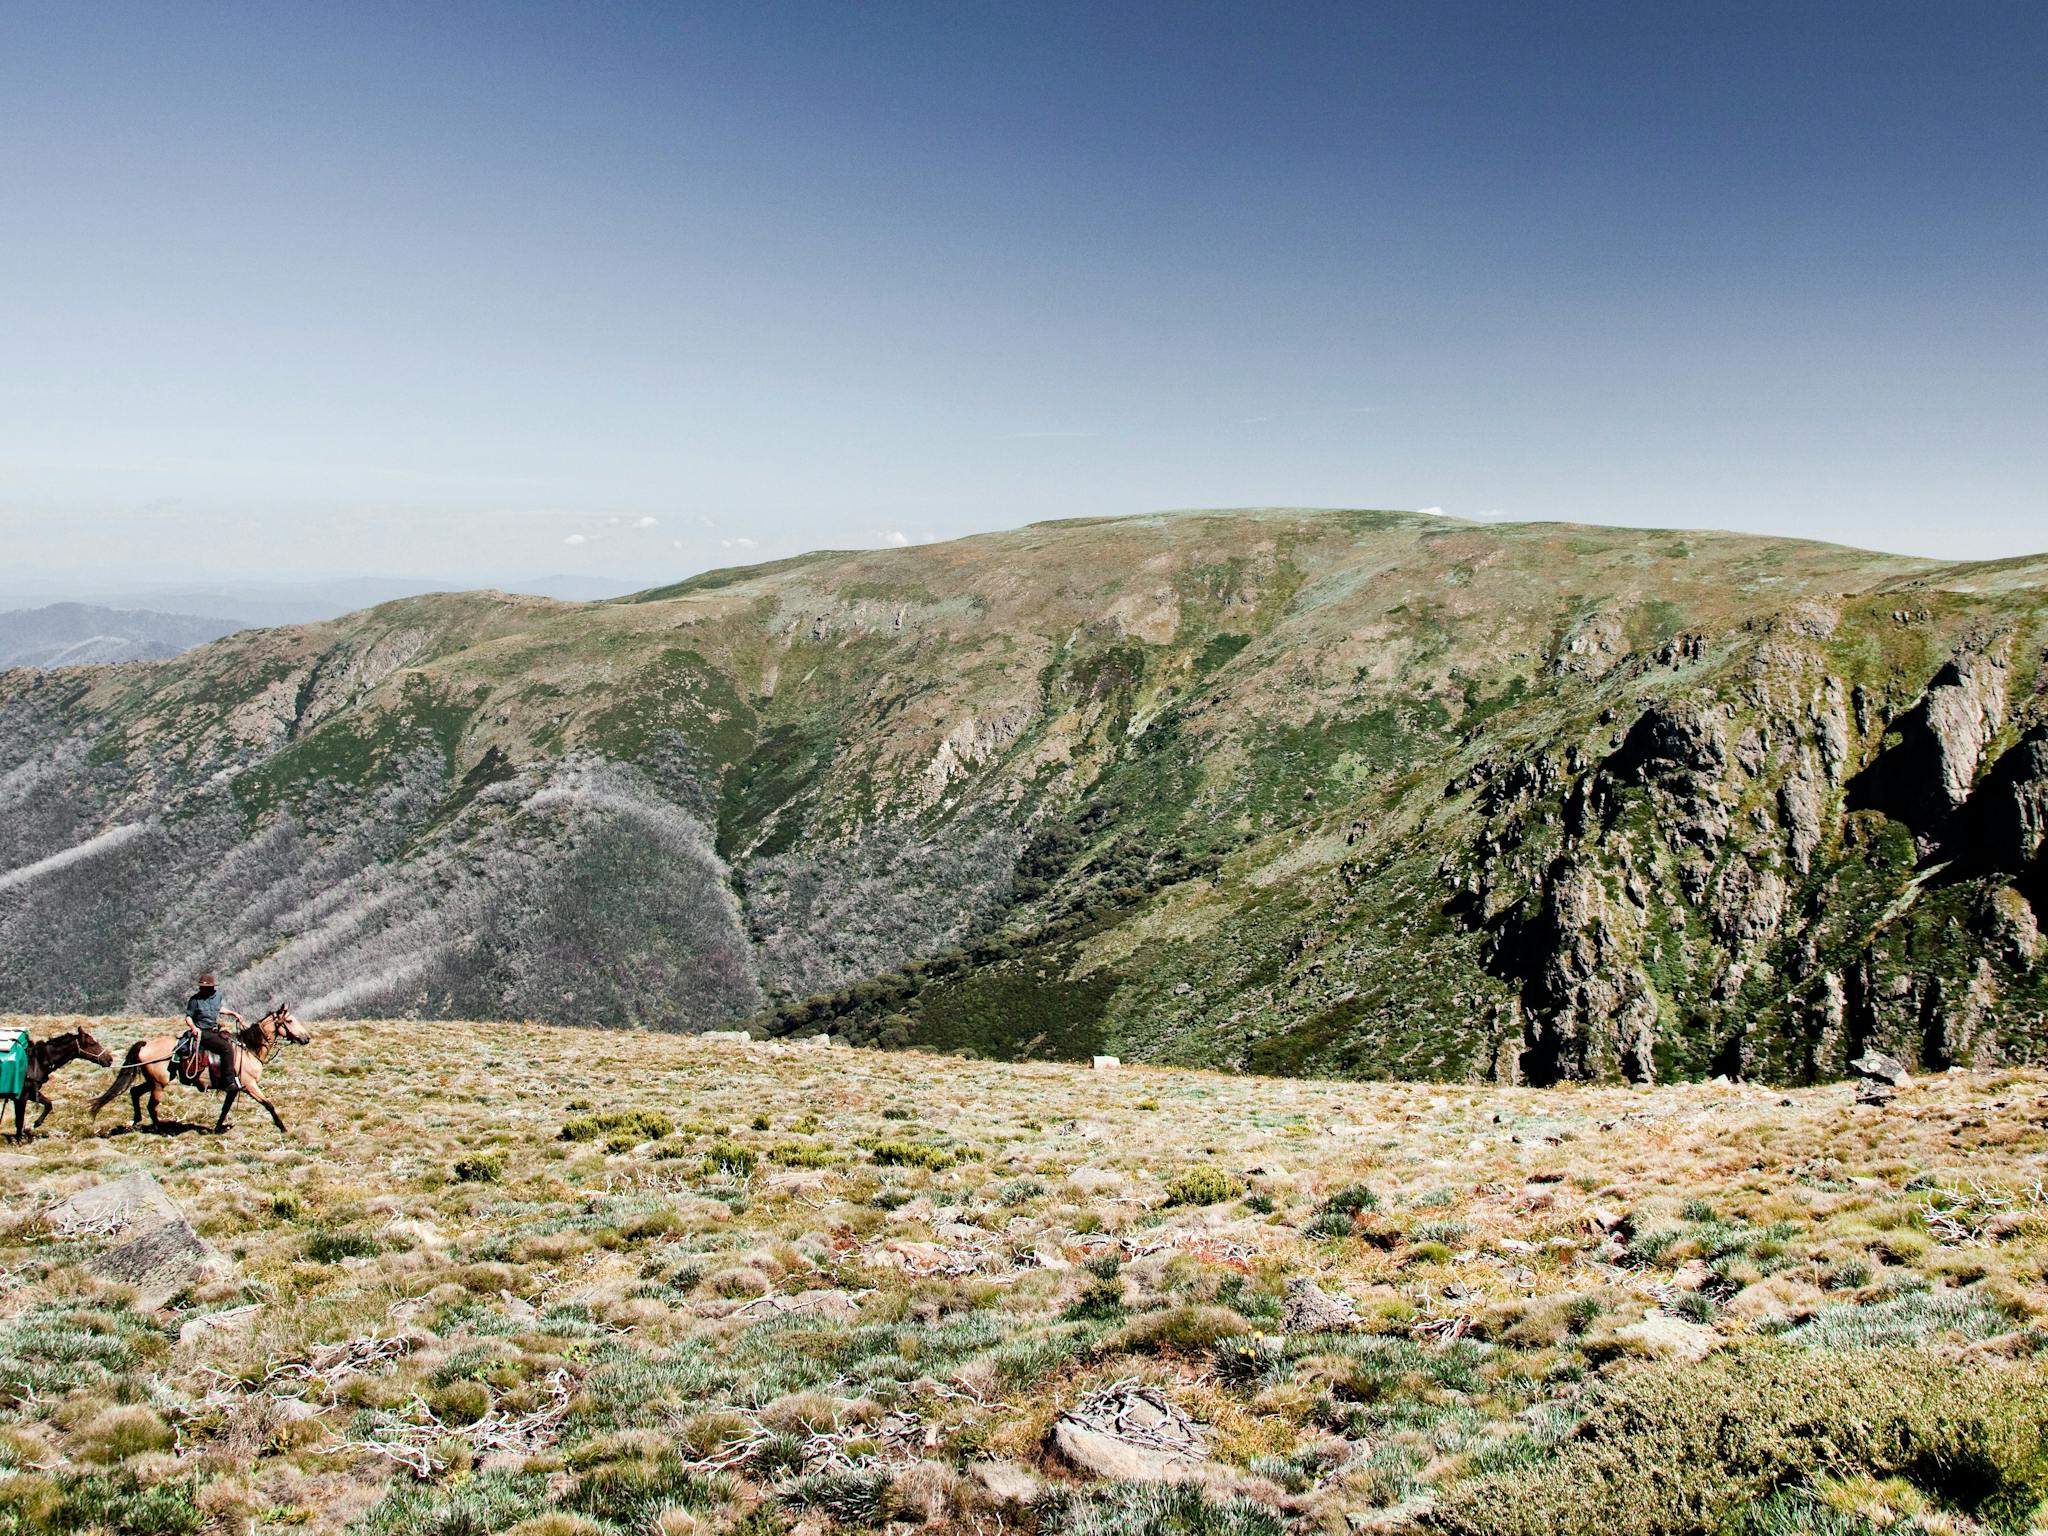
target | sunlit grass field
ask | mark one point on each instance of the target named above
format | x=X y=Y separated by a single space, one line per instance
x=506 y=1277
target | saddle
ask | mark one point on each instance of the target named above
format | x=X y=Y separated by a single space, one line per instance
x=198 y=1065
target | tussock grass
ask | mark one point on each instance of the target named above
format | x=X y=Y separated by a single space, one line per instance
x=815 y=1288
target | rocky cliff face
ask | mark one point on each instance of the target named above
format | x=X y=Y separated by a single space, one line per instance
x=1700 y=892
x=1359 y=793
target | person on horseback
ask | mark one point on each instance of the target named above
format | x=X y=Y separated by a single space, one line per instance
x=203 y=1035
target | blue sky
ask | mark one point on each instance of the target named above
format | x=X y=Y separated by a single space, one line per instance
x=476 y=291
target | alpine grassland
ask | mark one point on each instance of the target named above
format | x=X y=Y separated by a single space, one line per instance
x=569 y=1282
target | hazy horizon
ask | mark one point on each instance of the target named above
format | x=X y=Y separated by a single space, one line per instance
x=21 y=591
x=463 y=293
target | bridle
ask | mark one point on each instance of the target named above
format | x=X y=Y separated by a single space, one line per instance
x=275 y=1029
x=78 y=1039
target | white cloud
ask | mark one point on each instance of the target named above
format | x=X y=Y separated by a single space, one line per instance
x=577 y=538
x=739 y=543
x=1431 y=511
x=645 y=522
x=892 y=536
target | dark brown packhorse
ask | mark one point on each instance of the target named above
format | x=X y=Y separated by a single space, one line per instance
x=147 y=1068
x=45 y=1057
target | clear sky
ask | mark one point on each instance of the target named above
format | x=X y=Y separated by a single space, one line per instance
x=476 y=291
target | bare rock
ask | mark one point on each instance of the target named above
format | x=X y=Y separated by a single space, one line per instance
x=1131 y=1433
x=1880 y=1068
x=1671 y=738
x=1926 y=775
x=133 y=1204
x=1005 y=1482
x=159 y=1263
x=1311 y=1309
x=1664 y=1337
x=1799 y=809
x=1747 y=905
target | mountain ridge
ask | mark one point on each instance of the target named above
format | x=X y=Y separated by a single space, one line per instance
x=1200 y=786
x=83 y=634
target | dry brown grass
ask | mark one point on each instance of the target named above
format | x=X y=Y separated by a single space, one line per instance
x=703 y=1328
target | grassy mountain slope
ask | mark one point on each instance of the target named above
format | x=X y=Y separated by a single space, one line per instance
x=1358 y=792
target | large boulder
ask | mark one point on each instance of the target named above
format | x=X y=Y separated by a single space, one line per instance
x=1662 y=1336
x=135 y=1203
x=1877 y=1067
x=1311 y=1309
x=1131 y=1433
x=158 y=1263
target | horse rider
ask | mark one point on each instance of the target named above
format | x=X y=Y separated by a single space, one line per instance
x=203 y=1035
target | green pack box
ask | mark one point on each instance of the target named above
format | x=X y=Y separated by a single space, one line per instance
x=13 y=1061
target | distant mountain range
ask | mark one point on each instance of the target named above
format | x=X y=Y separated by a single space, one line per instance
x=76 y=634
x=1353 y=792
x=263 y=605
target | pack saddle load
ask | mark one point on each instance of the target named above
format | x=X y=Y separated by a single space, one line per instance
x=13 y=1060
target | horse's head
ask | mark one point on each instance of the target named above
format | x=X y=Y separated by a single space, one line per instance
x=289 y=1027
x=92 y=1050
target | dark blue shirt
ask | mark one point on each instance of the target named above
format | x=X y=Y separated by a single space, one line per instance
x=203 y=1009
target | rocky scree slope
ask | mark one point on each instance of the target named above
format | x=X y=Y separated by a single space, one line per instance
x=1362 y=793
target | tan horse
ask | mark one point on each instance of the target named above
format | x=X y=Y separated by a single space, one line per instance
x=147 y=1069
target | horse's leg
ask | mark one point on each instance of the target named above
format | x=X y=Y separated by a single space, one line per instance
x=46 y=1107
x=20 y=1100
x=226 y=1104
x=156 y=1098
x=275 y=1118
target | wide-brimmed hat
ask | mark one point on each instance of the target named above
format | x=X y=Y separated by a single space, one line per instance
x=206 y=979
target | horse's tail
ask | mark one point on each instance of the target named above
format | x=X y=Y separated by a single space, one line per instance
x=122 y=1079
